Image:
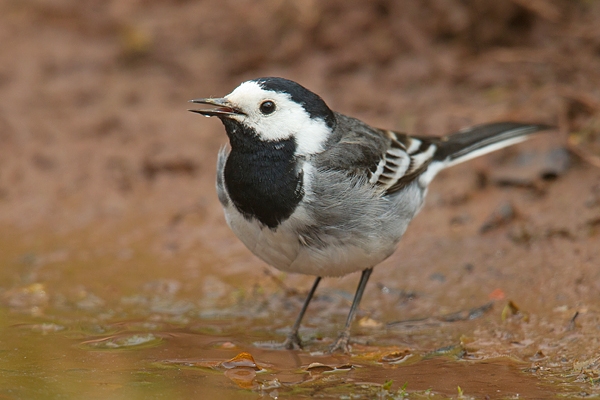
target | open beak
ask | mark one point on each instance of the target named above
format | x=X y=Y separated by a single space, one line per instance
x=223 y=108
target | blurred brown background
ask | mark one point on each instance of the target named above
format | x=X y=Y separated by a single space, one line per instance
x=93 y=93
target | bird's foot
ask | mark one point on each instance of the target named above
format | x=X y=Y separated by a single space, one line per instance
x=292 y=342
x=341 y=343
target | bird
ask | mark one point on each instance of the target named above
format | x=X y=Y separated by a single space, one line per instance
x=312 y=191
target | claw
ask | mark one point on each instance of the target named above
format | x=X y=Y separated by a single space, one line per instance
x=292 y=342
x=341 y=343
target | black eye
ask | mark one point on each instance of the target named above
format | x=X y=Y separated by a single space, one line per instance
x=267 y=107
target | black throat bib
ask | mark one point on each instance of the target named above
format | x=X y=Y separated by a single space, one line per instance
x=262 y=178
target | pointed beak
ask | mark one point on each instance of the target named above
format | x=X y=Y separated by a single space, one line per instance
x=223 y=108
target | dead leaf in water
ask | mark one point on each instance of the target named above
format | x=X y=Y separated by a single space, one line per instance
x=242 y=360
x=396 y=357
x=319 y=368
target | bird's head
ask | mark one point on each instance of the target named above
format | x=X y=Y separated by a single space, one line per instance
x=272 y=110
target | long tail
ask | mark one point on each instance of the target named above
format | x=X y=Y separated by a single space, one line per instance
x=476 y=141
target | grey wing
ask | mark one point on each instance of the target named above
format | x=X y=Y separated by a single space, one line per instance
x=389 y=160
x=392 y=160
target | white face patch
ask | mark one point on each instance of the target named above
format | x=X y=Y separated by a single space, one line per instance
x=289 y=120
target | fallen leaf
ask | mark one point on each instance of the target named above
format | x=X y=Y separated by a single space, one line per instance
x=319 y=368
x=242 y=360
x=396 y=357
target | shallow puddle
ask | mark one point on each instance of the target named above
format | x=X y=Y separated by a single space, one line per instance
x=52 y=360
x=80 y=320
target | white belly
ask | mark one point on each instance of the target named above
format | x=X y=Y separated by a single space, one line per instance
x=288 y=251
x=349 y=228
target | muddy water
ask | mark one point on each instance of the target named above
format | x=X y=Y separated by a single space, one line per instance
x=83 y=316
x=142 y=359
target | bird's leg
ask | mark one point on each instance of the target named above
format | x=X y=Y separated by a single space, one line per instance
x=342 y=341
x=293 y=340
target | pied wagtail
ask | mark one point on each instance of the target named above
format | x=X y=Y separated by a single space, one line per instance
x=313 y=191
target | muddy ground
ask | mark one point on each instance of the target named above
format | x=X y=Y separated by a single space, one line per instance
x=110 y=225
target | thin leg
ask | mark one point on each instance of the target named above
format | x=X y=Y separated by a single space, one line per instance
x=342 y=341
x=293 y=340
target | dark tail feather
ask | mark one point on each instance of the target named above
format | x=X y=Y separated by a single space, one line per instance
x=482 y=139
